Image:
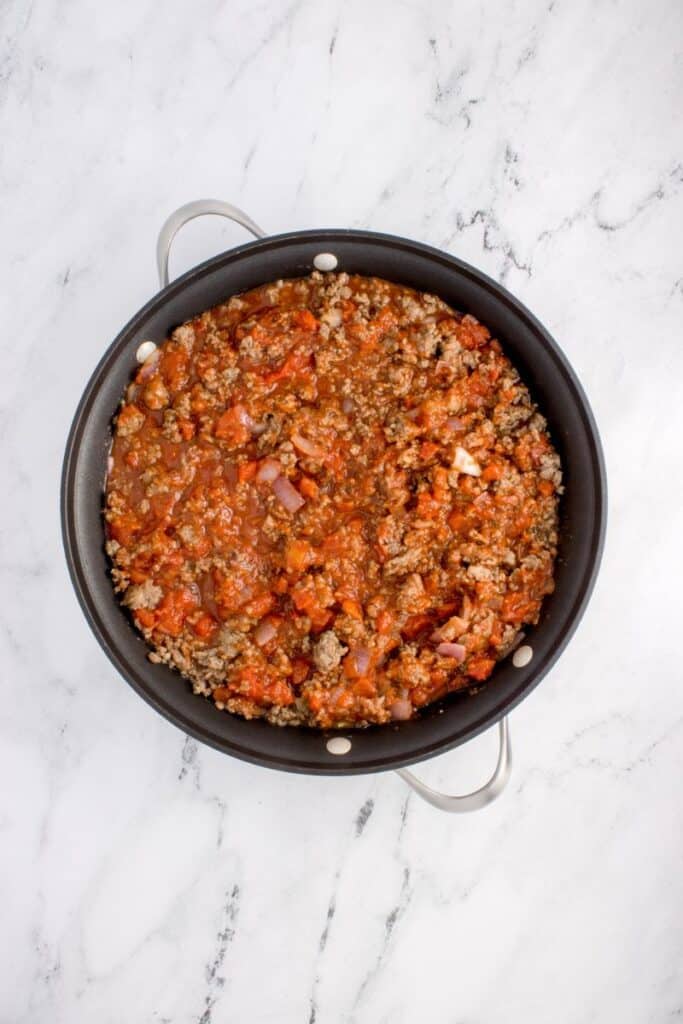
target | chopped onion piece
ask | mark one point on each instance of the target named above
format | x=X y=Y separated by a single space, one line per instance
x=361 y=656
x=244 y=592
x=454 y=423
x=229 y=475
x=269 y=470
x=264 y=632
x=455 y=651
x=249 y=422
x=455 y=626
x=464 y=463
x=348 y=405
x=149 y=365
x=308 y=447
x=401 y=710
x=287 y=494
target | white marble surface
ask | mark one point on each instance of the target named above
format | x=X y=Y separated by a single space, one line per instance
x=145 y=879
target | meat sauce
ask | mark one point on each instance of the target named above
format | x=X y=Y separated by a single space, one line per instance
x=331 y=501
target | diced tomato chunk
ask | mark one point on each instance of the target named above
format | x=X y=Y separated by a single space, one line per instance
x=517 y=606
x=384 y=621
x=353 y=608
x=173 y=610
x=304 y=318
x=205 y=626
x=298 y=555
x=493 y=471
x=230 y=426
x=246 y=471
x=300 y=670
x=124 y=528
x=416 y=624
x=261 y=605
x=428 y=449
x=145 y=617
x=480 y=668
x=309 y=488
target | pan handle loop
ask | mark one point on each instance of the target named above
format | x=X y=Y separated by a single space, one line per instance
x=198 y=208
x=480 y=797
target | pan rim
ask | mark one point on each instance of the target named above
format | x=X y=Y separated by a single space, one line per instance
x=508 y=701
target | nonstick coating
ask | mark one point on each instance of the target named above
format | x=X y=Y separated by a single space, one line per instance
x=553 y=385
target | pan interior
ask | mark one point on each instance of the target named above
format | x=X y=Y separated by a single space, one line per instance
x=553 y=386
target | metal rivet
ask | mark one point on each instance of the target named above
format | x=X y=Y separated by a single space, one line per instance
x=522 y=656
x=338 y=745
x=145 y=350
x=325 y=261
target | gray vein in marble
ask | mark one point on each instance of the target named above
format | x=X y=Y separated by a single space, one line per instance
x=392 y=919
x=645 y=756
x=48 y=963
x=527 y=54
x=464 y=111
x=360 y=822
x=487 y=218
x=447 y=90
x=404 y=819
x=494 y=241
x=322 y=944
x=555 y=775
x=9 y=58
x=672 y=179
x=364 y=815
x=222 y=810
x=510 y=169
x=250 y=156
x=665 y=188
x=215 y=980
x=279 y=25
x=190 y=761
x=605 y=721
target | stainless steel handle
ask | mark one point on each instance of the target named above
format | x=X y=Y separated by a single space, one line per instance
x=198 y=208
x=480 y=797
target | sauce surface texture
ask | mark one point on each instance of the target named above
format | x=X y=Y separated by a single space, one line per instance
x=331 y=501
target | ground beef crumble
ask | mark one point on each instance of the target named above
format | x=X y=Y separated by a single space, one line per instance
x=331 y=501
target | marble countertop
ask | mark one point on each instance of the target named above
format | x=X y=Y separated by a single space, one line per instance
x=145 y=878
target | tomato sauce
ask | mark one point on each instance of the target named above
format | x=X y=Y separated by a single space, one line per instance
x=331 y=501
